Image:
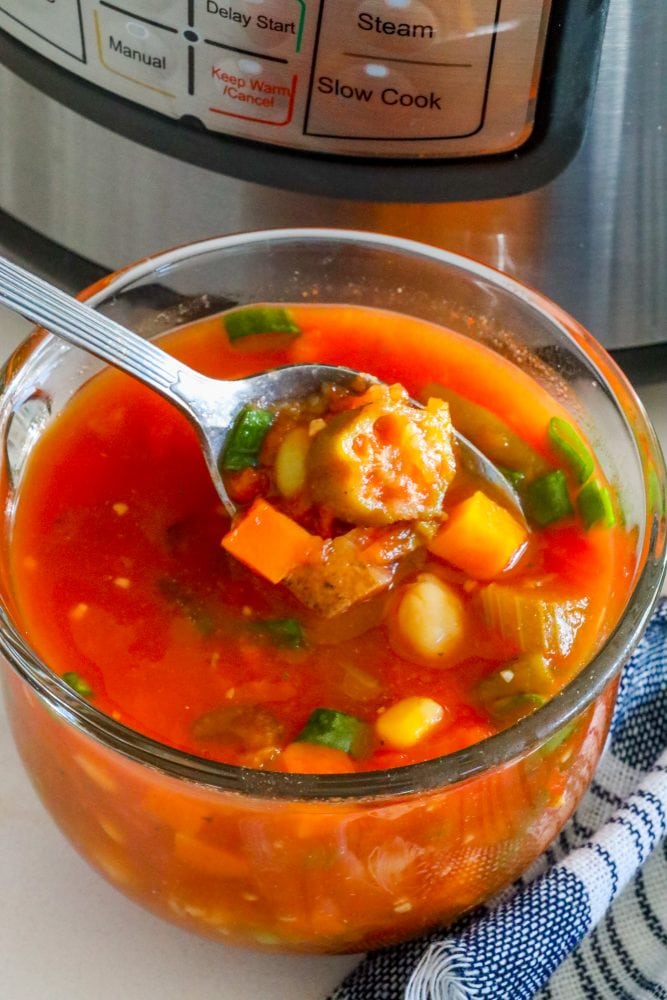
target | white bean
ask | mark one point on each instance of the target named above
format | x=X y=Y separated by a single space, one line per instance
x=290 y=463
x=429 y=618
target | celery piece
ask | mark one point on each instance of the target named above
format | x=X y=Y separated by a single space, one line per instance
x=548 y=499
x=338 y=730
x=78 y=683
x=259 y=319
x=524 y=614
x=594 y=505
x=246 y=438
x=569 y=445
x=285 y=632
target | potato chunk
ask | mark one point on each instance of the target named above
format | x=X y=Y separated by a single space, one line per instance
x=385 y=461
x=342 y=577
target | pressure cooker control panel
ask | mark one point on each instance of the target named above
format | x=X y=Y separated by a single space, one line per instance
x=371 y=78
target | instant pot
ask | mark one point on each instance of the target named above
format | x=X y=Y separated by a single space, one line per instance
x=531 y=134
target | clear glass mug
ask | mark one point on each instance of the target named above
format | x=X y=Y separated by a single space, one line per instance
x=329 y=863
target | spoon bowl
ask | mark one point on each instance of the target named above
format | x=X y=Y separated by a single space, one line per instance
x=211 y=405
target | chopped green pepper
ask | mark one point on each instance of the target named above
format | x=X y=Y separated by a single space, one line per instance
x=259 y=319
x=547 y=498
x=286 y=632
x=246 y=438
x=338 y=730
x=567 y=442
x=594 y=504
x=78 y=684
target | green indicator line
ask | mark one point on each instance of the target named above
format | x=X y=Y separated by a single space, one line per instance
x=302 y=18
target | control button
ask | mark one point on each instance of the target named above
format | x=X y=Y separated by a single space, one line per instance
x=277 y=25
x=54 y=21
x=145 y=53
x=377 y=100
x=421 y=74
x=399 y=27
x=244 y=87
x=264 y=25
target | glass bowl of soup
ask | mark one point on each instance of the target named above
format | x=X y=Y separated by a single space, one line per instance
x=365 y=743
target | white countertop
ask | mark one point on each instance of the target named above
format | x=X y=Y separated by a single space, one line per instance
x=67 y=935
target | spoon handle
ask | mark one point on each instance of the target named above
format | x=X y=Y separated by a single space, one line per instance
x=210 y=404
x=84 y=327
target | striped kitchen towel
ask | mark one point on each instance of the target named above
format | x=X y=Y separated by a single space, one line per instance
x=555 y=935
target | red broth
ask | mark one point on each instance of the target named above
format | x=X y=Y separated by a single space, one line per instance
x=121 y=576
x=117 y=498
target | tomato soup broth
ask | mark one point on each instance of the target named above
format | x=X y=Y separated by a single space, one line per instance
x=126 y=590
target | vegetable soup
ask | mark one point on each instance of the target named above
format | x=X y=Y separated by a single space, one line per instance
x=374 y=604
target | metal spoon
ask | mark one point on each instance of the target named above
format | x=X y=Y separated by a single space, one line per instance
x=211 y=405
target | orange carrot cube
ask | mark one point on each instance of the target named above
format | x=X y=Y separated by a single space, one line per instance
x=270 y=543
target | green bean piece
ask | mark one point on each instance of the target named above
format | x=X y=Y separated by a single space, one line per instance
x=78 y=683
x=491 y=434
x=514 y=477
x=548 y=499
x=259 y=319
x=246 y=438
x=569 y=445
x=510 y=710
x=338 y=730
x=518 y=689
x=595 y=505
x=285 y=632
x=529 y=673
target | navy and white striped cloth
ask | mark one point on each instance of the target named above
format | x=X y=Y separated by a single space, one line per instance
x=589 y=920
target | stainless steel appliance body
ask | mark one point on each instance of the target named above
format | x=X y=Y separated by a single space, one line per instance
x=401 y=100
x=595 y=238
